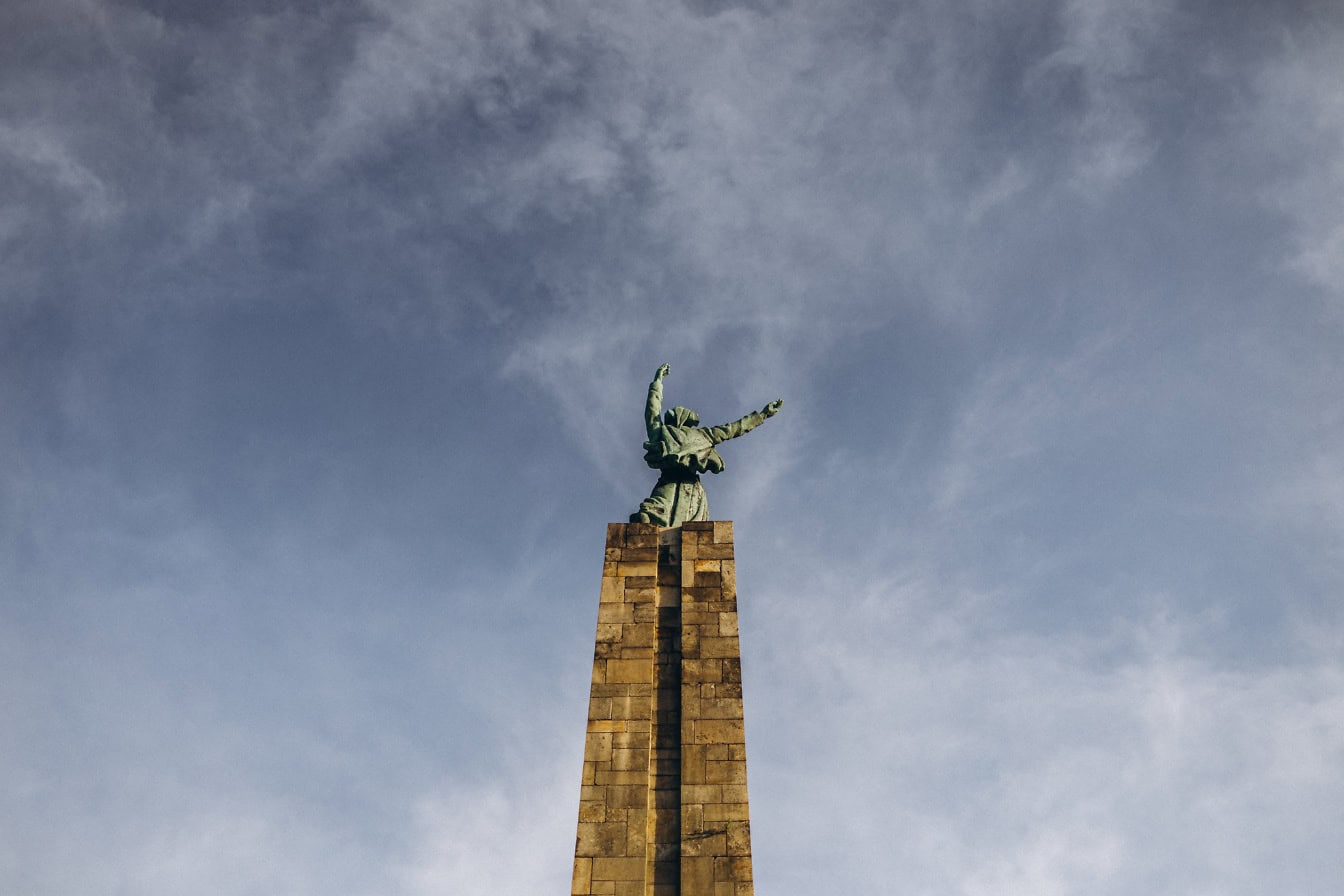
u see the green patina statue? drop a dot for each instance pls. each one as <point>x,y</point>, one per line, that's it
<point>680,450</point>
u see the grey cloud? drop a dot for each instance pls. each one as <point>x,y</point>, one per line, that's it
<point>324,336</point>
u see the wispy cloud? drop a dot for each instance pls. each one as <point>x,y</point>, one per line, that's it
<point>1298,121</point>
<point>1117,748</point>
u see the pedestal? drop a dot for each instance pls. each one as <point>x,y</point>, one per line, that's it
<point>663,806</point>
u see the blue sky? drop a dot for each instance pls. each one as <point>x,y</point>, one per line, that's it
<point>324,336</point>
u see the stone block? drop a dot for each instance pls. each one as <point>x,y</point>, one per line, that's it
<point>700,794</point>
<point>631,707</point>
<point>609,777</point>
<point>720,708</point>
<point>711,648</point>
<point>692,816</point>
<point>628,796</point>
<point>734,793</point>
<point>667,871</point>
<point>600,839</point>
<point>723,531</point>
<point>704,843</point>
<point>597,745</point>
<point>625,868</point>
<point>717,731</point>
<point>667,799</point>
<point>630,760</point>
<point>698,593</point>
<point>583,877</point>
<point>728,625</point>
<point>697,874</point>
<point>726,812</point>
<point>739,837</point>
<point>628,671</point>
<point>636,839</point>
<point>722,690</point>
<point>644,537</point>
<point>728,772</point>
<point>692,764</point>
<point>631,741</point>
<point>715,552</point>
<point>616,612</point>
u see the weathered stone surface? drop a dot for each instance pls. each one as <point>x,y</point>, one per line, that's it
<point>663,805</point>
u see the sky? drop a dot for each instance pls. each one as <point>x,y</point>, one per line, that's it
<point>325,330</point>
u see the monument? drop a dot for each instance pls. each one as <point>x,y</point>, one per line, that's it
<point>663,802</point>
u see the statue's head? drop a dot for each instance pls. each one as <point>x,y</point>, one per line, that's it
<point>680,416</point>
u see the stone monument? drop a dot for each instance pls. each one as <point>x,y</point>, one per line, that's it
<point>663,802</point>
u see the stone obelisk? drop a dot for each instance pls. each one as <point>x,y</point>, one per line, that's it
<point>663,807</point>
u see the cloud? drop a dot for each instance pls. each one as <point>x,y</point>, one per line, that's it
<point>485,838</point>
<point>326,323</point>
<point>1113,50</point>
<point>1146,767</point>
<point>1298,121</point>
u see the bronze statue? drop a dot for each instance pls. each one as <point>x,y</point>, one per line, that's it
<point>680,449</point>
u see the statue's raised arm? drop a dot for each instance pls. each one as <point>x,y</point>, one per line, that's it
<point>680,449</point>
<point>653,408</point>
<point>725,431</point>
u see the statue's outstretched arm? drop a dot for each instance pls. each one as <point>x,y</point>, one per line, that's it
<point>725,431</point>
<point>653,408</point>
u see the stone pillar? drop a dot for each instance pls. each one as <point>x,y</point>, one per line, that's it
<point>663,807</point>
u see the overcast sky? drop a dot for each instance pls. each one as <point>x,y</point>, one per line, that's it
<point>325,329</point>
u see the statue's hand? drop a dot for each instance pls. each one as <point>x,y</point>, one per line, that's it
<point>773,407</point>
<point>662,372</point>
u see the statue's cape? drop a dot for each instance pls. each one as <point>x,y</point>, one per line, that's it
<point>682,447</point>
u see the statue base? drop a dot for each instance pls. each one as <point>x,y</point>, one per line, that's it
<point>663,806</point>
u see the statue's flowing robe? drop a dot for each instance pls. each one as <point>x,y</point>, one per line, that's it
<point>681,451</point>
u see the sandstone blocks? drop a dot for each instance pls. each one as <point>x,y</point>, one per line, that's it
<point>663,806</point>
